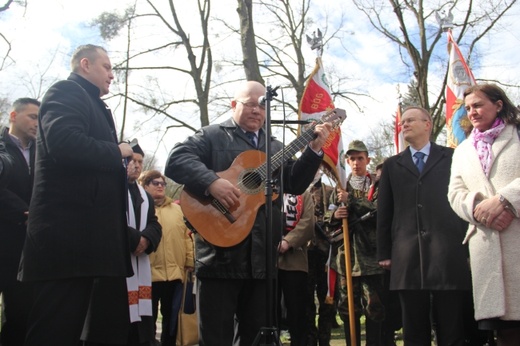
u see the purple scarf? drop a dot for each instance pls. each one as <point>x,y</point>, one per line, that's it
<point>482,141</point>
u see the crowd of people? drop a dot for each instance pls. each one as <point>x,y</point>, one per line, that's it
<point>93,250</point>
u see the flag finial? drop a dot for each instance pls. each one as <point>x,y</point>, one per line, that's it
<point>316,42</point>
<point>445,20</point>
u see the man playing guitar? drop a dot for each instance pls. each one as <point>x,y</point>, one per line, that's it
<point>231,280</point>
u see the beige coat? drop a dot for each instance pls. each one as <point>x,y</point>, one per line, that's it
<point>295,259</point>
<point>494,255</point>
<point>175,251</point>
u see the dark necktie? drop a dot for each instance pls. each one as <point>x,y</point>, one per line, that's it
<point>419,162</point>
<point>252,138</point>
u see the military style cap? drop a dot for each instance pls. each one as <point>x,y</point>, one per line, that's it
<point>357,145</point>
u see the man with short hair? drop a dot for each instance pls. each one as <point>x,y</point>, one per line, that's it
<point>358,204</point>
<point>77,227</point>
<point>419,237</point>
<point>19,141</point>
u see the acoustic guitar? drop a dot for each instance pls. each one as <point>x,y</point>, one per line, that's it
<point>228,227</point>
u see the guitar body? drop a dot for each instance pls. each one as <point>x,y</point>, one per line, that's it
<point>228,227</point>
<point>221,227</point>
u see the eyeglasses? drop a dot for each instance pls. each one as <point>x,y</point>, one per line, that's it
<point>252,104</point>
<point>409,121</point>
<point>158,183</point>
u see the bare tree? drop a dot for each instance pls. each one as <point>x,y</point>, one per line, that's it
<point>38,81</point>
<point>281,52</point>
<point>247,34</point>
<point>6,5</point>
<point>380,143</point>
<point>200,65</point>
<point>5,105</point>
<point>110,25</point>
<point>3,38</point>
<point>197,66</point>
<point>417,36</point>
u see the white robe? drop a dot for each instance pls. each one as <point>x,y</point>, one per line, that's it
<point>140,284</point>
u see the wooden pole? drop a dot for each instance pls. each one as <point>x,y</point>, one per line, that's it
<point>350,289</point>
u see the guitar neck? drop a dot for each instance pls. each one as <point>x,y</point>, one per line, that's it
<point>286,153</point>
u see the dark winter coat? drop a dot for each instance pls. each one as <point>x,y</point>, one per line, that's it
<point>6,165</point>
<point>77,223</point>
<point>195,162</point>
<point>416,227</point>
<point>14,203</point>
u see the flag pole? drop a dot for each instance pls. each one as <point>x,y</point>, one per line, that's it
<point>399,142</point>
<point>348,279</point>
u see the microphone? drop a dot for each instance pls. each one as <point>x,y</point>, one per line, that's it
<point>262,99</point>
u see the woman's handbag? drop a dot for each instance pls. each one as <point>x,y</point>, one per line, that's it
<point>187,322</point>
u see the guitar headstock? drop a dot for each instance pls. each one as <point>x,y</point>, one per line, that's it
<point>335,117</point>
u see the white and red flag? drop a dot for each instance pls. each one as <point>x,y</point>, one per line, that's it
<point>460,78</point>
<point>399,142</point>
<point>317,101</point>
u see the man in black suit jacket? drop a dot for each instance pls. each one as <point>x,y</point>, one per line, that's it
<point>77,225</point>
<point>419,237</point>
<point>19,141</point>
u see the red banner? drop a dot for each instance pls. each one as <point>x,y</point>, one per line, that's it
<point>317,101</point>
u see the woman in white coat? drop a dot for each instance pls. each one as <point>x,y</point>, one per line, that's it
<point>485,191</point>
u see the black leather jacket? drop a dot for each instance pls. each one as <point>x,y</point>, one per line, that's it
<point>195,162</point>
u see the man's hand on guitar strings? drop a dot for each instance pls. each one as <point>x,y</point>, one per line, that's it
<point>224,192</point>
<point>322,132</point>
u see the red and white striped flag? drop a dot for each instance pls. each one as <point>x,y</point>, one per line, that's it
<point>399,142</point>
<point>460,78</point>
<point>317,101</point>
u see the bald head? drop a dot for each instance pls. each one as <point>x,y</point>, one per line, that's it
<point>247,113</point>
<point>247,88</point>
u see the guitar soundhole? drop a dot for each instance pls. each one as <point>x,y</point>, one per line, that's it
<point>250,181</point>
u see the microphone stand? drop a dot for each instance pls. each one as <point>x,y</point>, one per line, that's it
<point>268,335</point>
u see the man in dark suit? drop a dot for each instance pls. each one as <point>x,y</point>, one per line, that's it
<point>19,141</point>
<point>419,237</point>
<point>77,226</point>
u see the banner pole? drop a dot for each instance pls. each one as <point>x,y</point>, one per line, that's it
<point>350,289</point>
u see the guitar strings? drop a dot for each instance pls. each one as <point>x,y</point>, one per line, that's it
<point>289,151</point>
<point>278,158</point>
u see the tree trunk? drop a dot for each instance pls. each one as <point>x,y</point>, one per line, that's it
<point>247,36</point>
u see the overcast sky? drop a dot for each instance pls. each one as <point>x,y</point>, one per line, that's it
<point>47,31</point>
